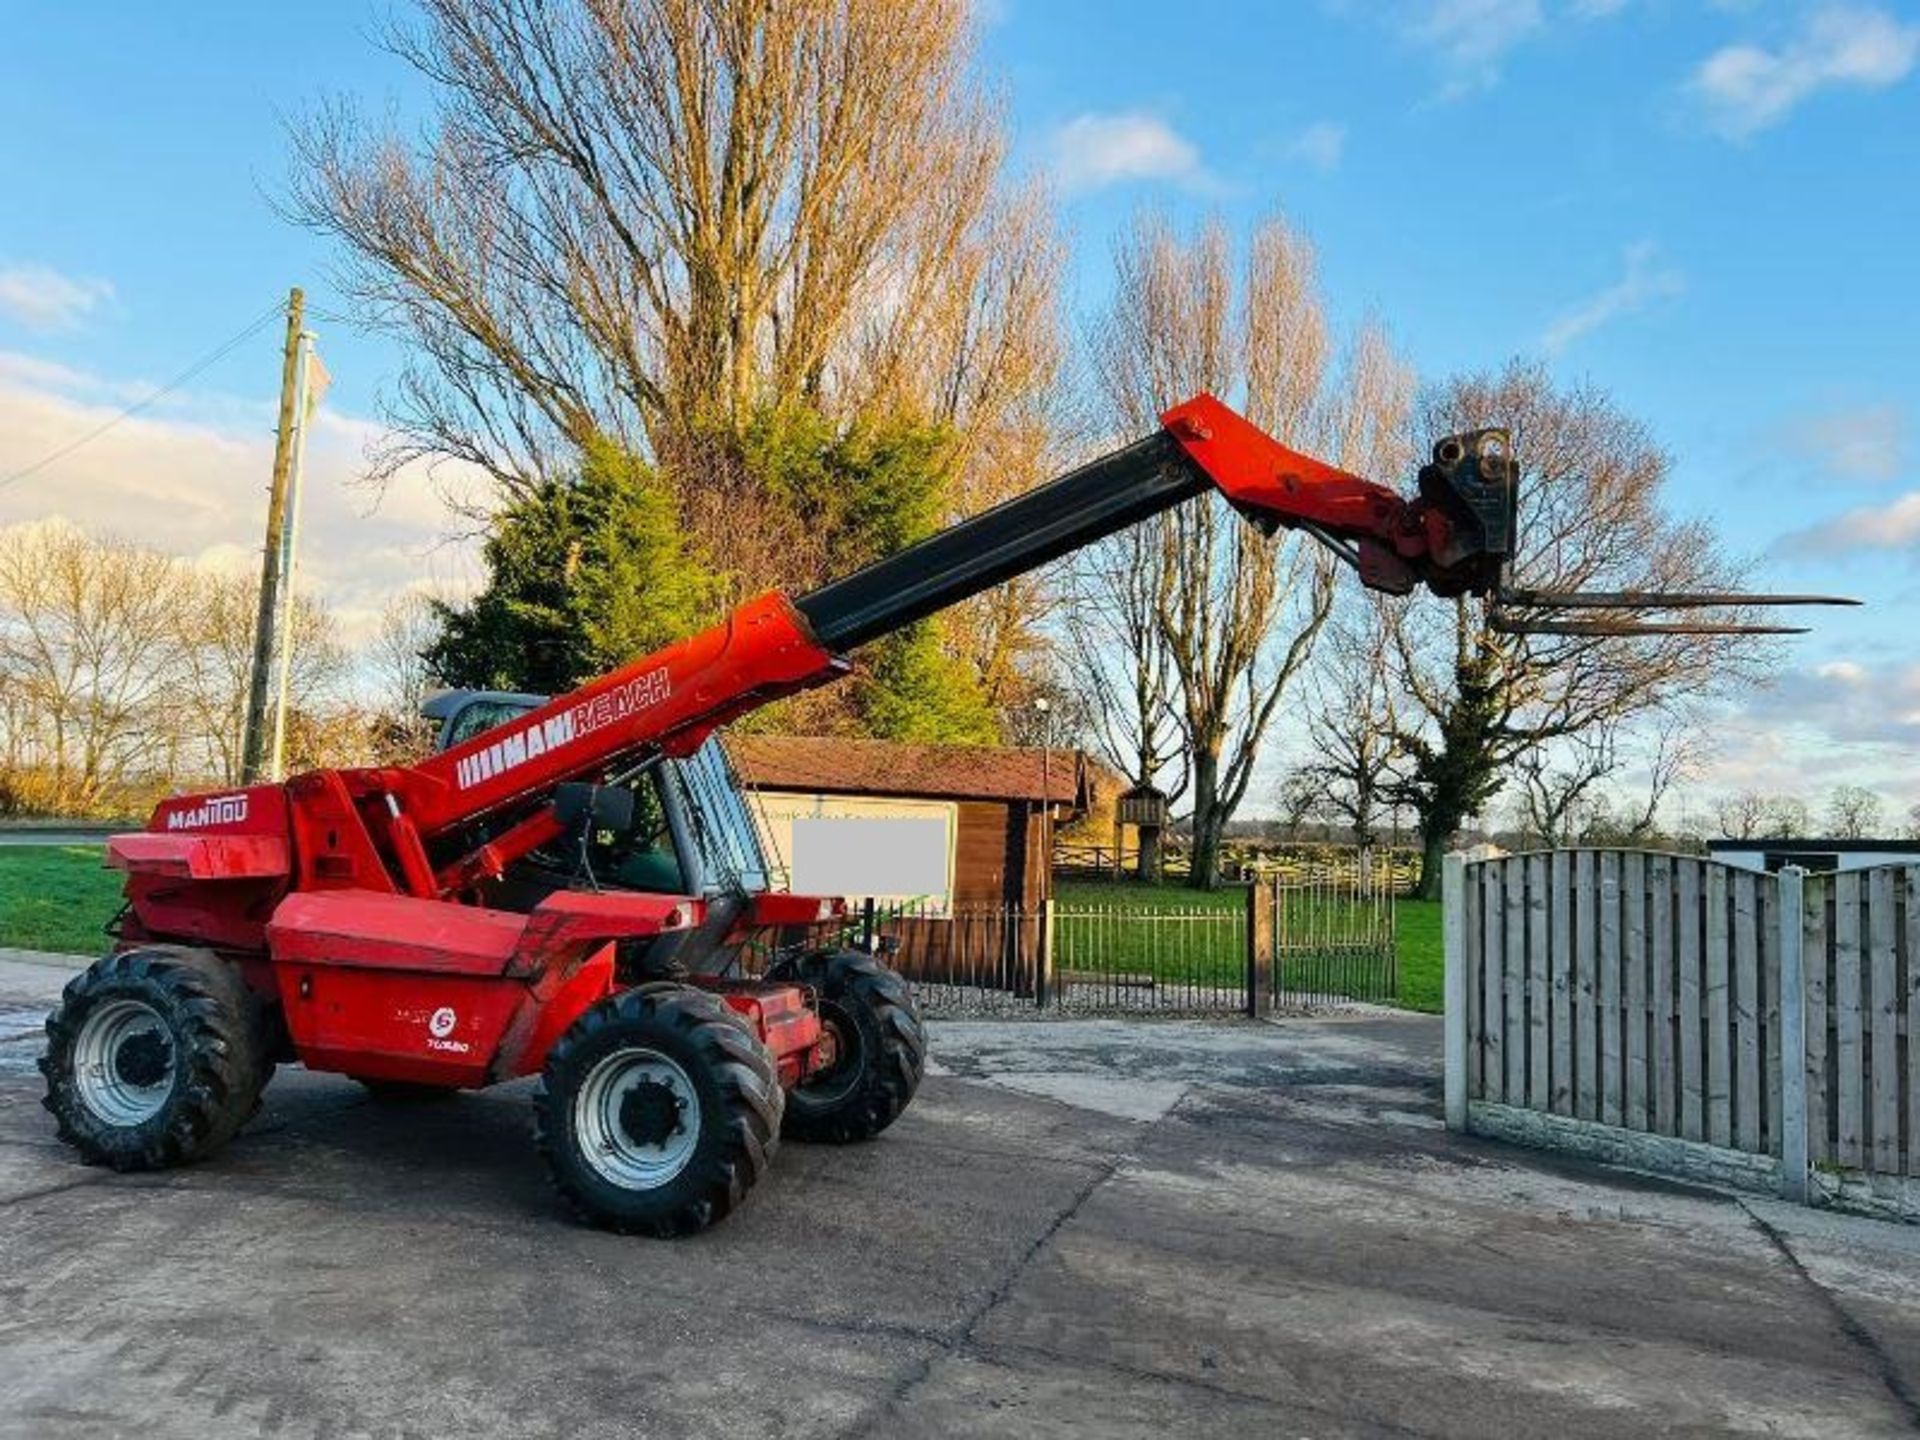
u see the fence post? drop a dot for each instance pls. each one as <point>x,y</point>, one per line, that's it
<point>1453,925</point>
<point>1794,1157</point>
<point>1259,948</point>
<point>1043,968</point>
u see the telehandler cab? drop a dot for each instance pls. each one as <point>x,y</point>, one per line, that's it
<point>576,893</point>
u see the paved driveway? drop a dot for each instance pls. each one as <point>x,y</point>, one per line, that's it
<point>1153,1229</point>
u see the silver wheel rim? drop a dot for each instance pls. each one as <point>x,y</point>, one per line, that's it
<point>617,1156</point>
<point>98,1069</point>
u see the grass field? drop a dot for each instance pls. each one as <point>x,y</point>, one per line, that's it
<point>58,897</point>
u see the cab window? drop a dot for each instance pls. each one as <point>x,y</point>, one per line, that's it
<point>480,716</point>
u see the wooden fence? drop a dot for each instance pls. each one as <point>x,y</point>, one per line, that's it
<point>1683,998</point>
<point>1862,947</point>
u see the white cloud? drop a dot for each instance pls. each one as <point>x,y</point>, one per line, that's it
<point>1893,526</point>
<point>1746,88</point>
<point>1472,37</point>
<point>1816,726</point>
<point>1644,281</point>
<point>1091,151</point>
<point>1322,145</point>
<point>1867,443</point>
<point>1844,701</point>
<point>196,489</point>
<point>42,299</point>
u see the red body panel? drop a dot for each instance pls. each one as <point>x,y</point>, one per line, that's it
<point>786,1022</point>
<point>200,857</point>
<point>393,932</point>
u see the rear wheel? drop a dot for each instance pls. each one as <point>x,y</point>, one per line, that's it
<point>880,1049</point>
<point>659,1110</point>
<point>154,1058</point>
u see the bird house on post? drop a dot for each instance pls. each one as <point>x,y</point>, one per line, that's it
<point>1145,808</point>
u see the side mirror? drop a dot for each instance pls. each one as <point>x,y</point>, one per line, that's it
<point>597,807</point>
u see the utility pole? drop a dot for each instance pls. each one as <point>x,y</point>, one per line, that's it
<point>310,388</point>
<point>254,748</point>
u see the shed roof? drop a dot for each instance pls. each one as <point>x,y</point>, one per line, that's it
<point>833,765</point>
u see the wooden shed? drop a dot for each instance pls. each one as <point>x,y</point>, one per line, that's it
<point>999,805</point>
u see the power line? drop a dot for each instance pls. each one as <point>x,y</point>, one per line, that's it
<point>212,357</point>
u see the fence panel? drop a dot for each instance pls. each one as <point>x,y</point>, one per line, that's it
<point>1640,991</point>
<point>1862,943</point>
<point>1643,993</point>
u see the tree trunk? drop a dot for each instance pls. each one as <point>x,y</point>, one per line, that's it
<point>1151,860</point>
<point>1433,849</point>
<point>1209,820</point>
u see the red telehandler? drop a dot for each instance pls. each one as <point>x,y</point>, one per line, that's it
<point>514,905</point>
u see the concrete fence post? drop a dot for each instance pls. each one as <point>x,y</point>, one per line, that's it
<point>1794,1157</point>
<point>1453,925</point>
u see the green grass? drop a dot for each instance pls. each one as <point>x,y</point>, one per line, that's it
<point>1416,925</point>
<point>1218,960</point>
<point>56,897</point>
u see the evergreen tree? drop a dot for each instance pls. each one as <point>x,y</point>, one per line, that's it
<point>863,493</point>
<point>589,572</point>
<point>582,576</point>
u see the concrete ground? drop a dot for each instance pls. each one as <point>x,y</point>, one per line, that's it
<point>1150,1228</point>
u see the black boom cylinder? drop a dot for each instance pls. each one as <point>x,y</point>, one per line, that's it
<point>1026,532</point>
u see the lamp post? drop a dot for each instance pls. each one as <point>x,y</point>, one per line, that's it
<point>1044,708</point>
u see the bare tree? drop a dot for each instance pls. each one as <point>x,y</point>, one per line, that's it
<point>1236,611</point>
<point>1743,816</point>
<point>633,218</point>
<point>1591,517</point>
<point>89,640</point>
<point>1122,663</point>
<point>1301,800</point>
<point>1353,722</point>
<point>1787,818</point>
<point>1558,784</point>
<point>657,220</point>
<point>1853,812</point>
<point>214,639</point>
<point>402,673</point>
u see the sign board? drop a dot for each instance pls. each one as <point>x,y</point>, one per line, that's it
<point>895,852</point>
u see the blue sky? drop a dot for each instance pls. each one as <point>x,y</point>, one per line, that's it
<point>1711,209</point>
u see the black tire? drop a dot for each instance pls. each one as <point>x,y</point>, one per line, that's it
<point>725,1075</point>
<point>882,1044</point>
<point>187,1068</point>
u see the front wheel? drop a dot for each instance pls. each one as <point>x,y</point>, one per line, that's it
<point>658,1111</point>
<point>880,1049</point>
<point>154,1057</point>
